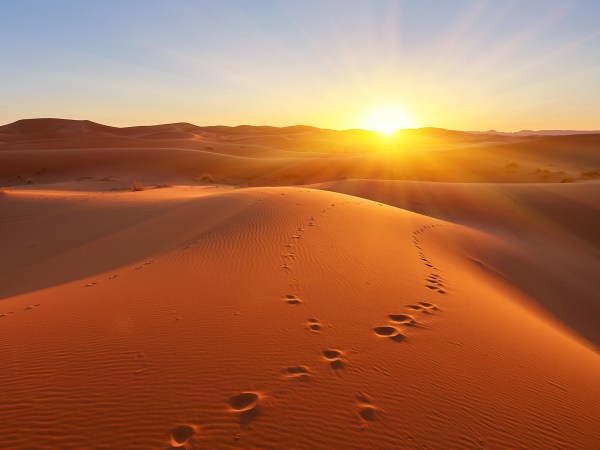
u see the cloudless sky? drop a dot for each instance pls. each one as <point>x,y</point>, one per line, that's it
<point>460,64</point>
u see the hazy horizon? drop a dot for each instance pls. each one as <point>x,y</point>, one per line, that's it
<point>202,125</point>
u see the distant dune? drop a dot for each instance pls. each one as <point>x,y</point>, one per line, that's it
<point>36,149</point>
<point>537,132</point>
<point>177,286</point>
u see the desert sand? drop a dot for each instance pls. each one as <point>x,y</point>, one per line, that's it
<point>177,286</point>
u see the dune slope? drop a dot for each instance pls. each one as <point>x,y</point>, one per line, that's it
<point>555,246</point>
<point>277,317</point>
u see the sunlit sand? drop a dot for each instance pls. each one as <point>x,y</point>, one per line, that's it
<point>262,287</point>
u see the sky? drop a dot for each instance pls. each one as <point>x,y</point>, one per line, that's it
<point>457,64</point>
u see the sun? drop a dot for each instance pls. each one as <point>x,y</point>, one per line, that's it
<point>387,120</point>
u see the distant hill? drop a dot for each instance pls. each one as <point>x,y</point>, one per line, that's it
<point>53,129</point>
<point>537,132</point>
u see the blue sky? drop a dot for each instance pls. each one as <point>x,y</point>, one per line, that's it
<point>455,64</point>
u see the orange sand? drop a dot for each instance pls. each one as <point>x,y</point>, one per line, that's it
<point>239,307</point>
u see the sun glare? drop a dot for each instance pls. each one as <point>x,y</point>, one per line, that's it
<point>387,120</point>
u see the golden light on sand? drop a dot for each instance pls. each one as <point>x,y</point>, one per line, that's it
<point>387,120</point>
<point>314,226</point>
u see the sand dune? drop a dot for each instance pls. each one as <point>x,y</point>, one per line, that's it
<point>33,149</point>
<point>551,229</point>
<point>349,313</point>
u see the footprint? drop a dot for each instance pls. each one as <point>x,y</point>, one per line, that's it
<point>291,299</point>
<point>385,331</point>
<point>90,284</point>
<point>244,401</point>
<point>332,354</point>
<point>425,307</point>
<point>390,332</point>
<point>415,307</point>
<point>335,358</point>
<point>314,324</point>
<point>429,305</point>
<point>181,434</point>
<point>404,319</point>
<point>435,282</point>
<point>436,277</point>
<point>367,412</point>
<point>301,372</point>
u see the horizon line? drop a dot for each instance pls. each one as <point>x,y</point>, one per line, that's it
<point>491,130</point>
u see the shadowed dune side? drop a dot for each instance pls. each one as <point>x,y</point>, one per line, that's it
<point>579,148</point>
<point>197,344</point>
<point>500,208</point>
<point>257,166</point>
<point>51,229</point>
<point>183,165</point>
<point>552,229</point>
<point>165,165</point>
